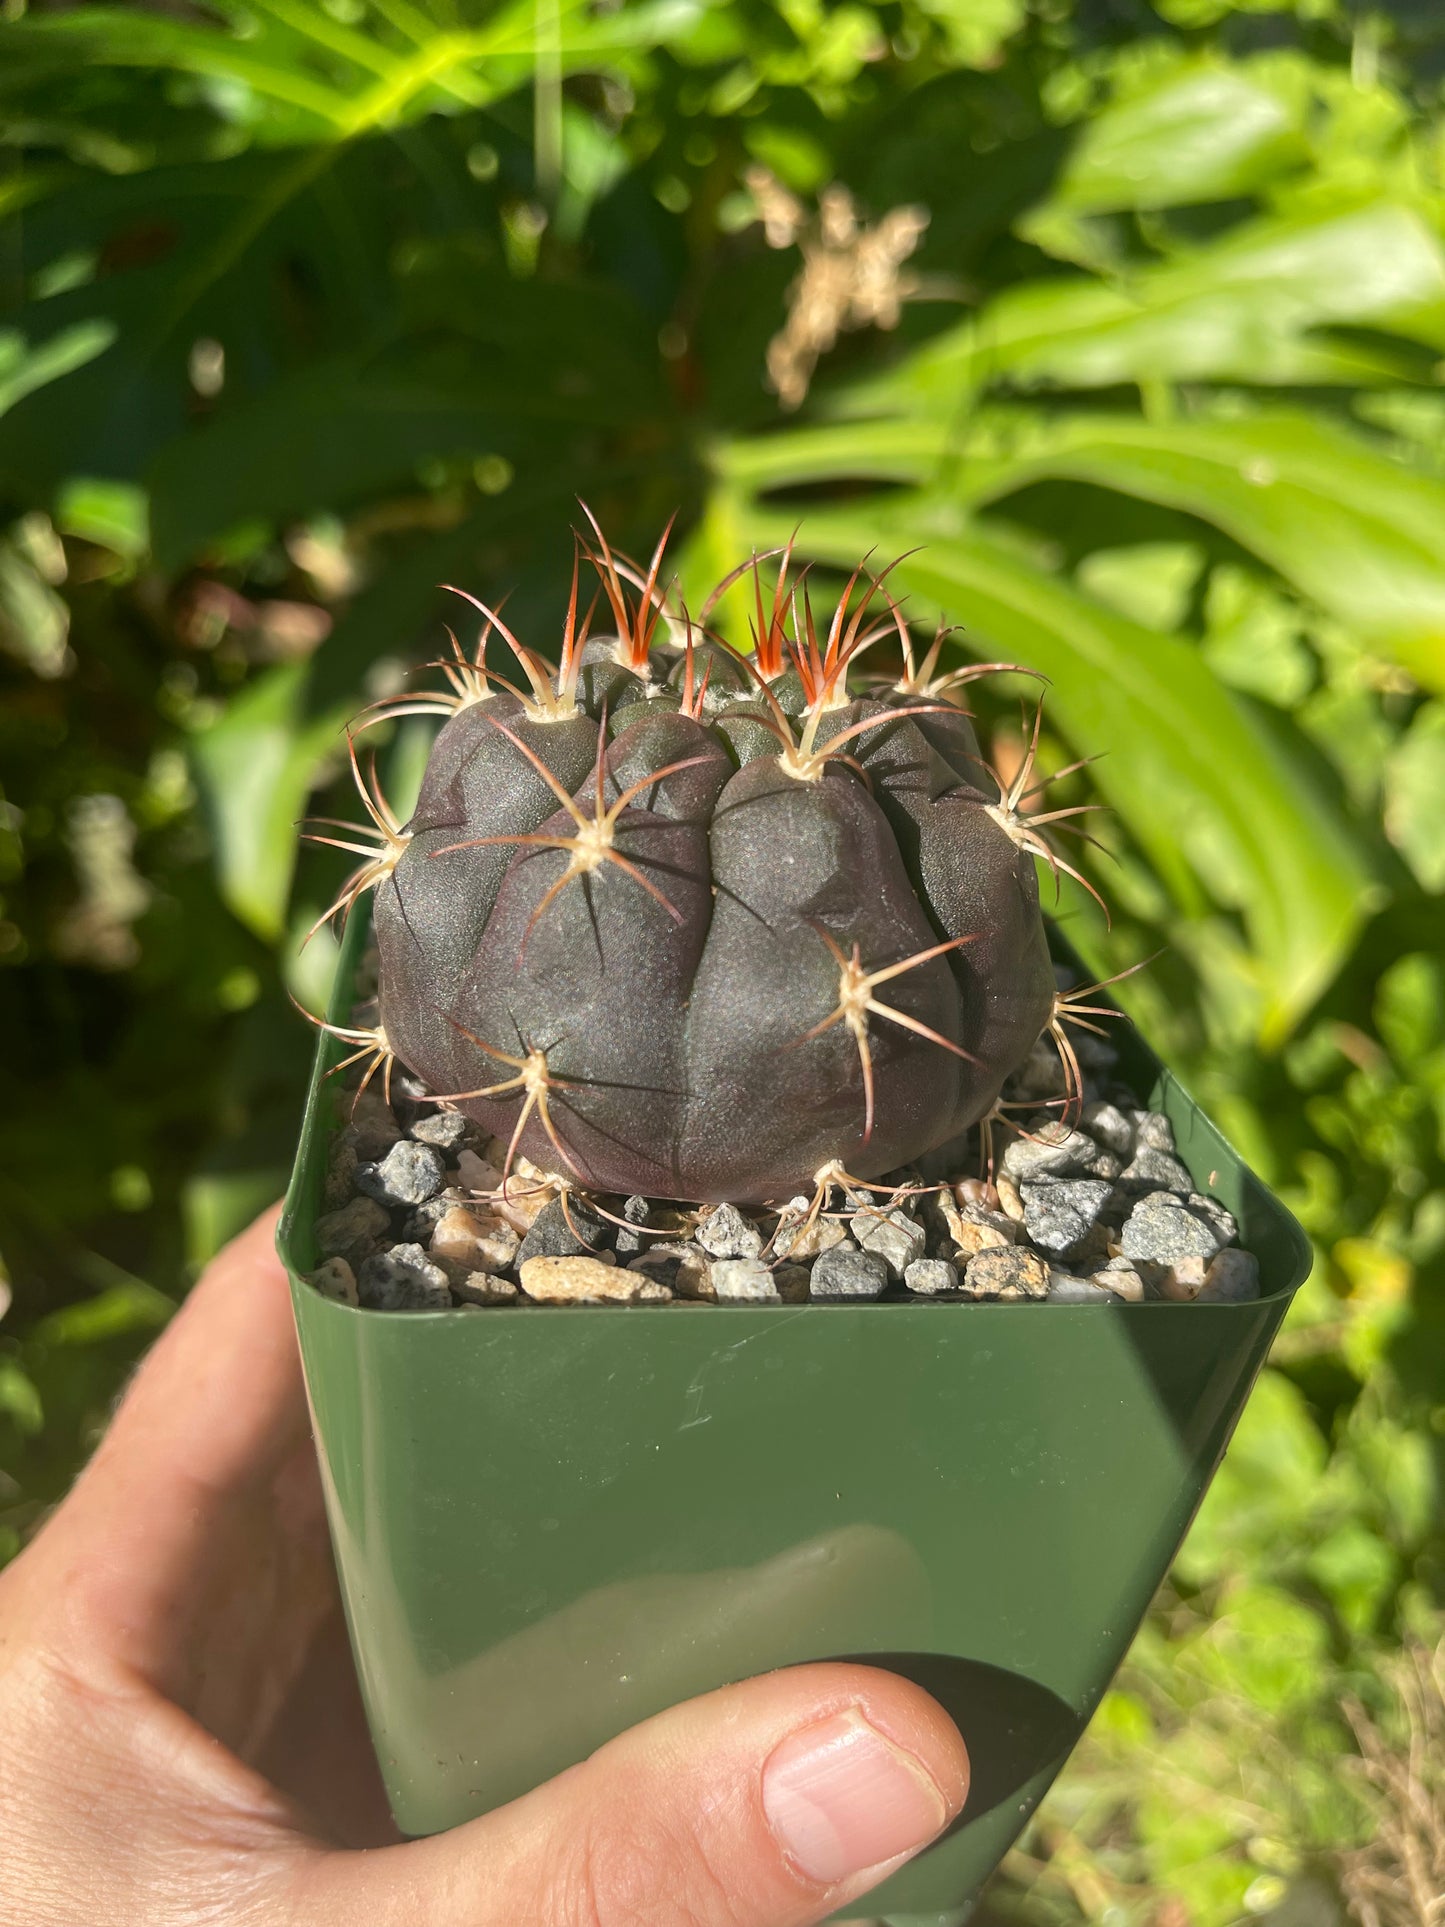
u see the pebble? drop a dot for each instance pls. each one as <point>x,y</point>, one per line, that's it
<point>477,1173</point>
<point>627,1239</point>
<point>930,1276</point>
<point>976,1191</point>
<point>726,1233</point>
<point>1125,1278</point>
<point>1009,1201</point>
<point>1152,1130</point>
<point>481,1288</point>
<point>1106,1124</point>
<point>683,1268</point>
<point>1153,1170</point>
<point>353,1232</point>
<point>443,1130</point>
<point>743,1281</point>
<point>410,1173</point>
<point>1060,1213</point>
<point>1011,1273</point>
<point>1232,1279</point>
<point>967,1228</point>
<point>575,1232</point>
<point>403,1279</point>
<point>1216,1213</point>
<point>372,1128</point>
<point>792,1283</point>
<point>408,1092</point>
<point>418,1225</point>
<point>474,1238</point>
<point>1182,1281</point>
<point>340,1174</point>
<point>1053,1149</point>
<point>1166,1228</point>
<point>795,1238</point>
<point>584,1281</point>
<point>1065,1289</point>
<point>896,1238</point>
<point>839,1275</point>
<point>335,1279</point>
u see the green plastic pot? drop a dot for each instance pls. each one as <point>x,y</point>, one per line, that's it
<point>549,1525</point>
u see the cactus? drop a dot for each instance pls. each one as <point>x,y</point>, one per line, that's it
<point>672,920</point>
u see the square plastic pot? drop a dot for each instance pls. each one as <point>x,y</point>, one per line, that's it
<point>550,1524</point>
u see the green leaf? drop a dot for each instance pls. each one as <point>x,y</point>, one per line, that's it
<point>19,1400</point>
<point>1191,771</point>
<point>1415,796</point>
<point>1253,638</point>
<point>254,769</point>
<point>1250,307</point>
<point>1359,533</point>
<point>23,369</point>
<point>116,1312</point>
<point>1206,133</point>
<point>113,515</point>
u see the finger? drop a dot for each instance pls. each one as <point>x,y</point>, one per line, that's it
<point>772,1802</point>
<point>199,1519</point>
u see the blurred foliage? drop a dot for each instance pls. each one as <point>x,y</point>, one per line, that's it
<point>310,305</point>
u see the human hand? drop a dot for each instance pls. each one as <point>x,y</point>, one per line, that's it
<point>181,1739</point>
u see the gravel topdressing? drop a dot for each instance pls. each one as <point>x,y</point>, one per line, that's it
<point>1095,1211</point>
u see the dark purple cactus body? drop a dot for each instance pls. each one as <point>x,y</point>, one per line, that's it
<point>782,940</point>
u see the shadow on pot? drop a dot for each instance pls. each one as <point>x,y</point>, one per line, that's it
<point>1013,1728</point>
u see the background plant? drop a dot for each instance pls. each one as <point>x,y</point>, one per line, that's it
<point>308,307</point>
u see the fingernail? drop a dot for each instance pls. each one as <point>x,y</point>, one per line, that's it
<point>840,1798</point>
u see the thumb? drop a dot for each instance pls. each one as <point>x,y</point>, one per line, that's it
<point>767,1804</point>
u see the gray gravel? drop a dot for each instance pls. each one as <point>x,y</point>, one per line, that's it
<point>897,1238</point>
<point>1052,1149</point>
<point>683,1268</point>
<point>931,1276</point>
<point>839,1275</point>
<point>1232,1279</point>
<point>742,1281</point>
<point>1151,1170</point>
<point>552,1236</point>
<point>410,1173</point>
<point>628,1239</point>
<point>444,1130</point>
<point>1164,1228</point>
<point>1101,1212</point>
<point>1066,1289</point>
<point>1109,1127</point>
<point>726,1233</point>
<point>353,1232</point>
<point>403,1279</point>
<point>1061,1214</point>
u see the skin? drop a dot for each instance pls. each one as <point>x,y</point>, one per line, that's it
<point>181,1738</point>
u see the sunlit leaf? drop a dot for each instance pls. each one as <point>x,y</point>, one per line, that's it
<point>1415,796</point>
<point>254,769</point>
<point>1203,133</point>
<point>1249,307</point>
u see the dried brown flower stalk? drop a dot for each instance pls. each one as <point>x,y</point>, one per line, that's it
<point>1398,1878</point>
<point>852,275</point>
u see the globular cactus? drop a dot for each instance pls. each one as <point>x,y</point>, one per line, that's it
<point>674,921</point>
